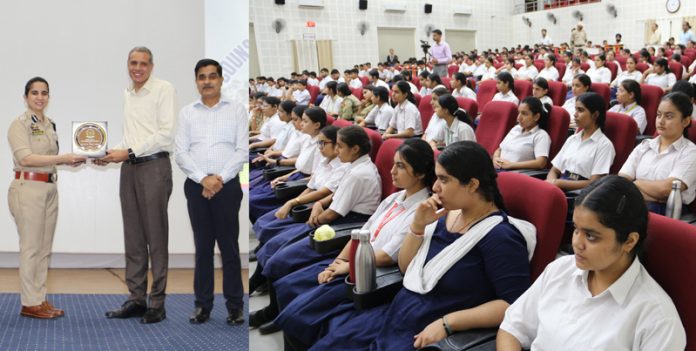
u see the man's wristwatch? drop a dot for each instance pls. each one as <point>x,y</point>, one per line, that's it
<point>131,155</point>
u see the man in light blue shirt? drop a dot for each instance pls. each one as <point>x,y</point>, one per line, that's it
<point>211,149</point>
<point>687,35</point>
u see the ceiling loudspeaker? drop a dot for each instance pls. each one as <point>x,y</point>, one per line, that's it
<point>280,2</point>
<point>428,8</point>
<point>362,4</point>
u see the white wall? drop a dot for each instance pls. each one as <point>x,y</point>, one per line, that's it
<point>81,47</point>
<point>632,15</point>
<point>339,20</point>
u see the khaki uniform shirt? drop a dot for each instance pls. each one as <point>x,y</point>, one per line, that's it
<point>29,135</point>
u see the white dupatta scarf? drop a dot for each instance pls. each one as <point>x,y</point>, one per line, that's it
<point>422,278</point>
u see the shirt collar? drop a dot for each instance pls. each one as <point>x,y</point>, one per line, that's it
<point>223,101</point>
<point>534,130</point>
<point>596,135</point>
<point>147,86</point>
<point>678,145</point>
<point>412,200</point>
<point>620,288</point>
<point>335,163</point>
<point>362,159</point>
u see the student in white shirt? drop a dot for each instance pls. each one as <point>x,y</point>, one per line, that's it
<point>630,73</point>
<point>280,140</point>
<point>406,121</point>
<point>527,145</point>
<point>382,113</point>
<point>528,71</point>
<point>406,75</point>
<point>425,84</point>
<point>549,72</point>
<point>599,73</point>
<point>587,155</point>
<point>611,57</point>
<point>355,82</point>
<point>376,82</point>
<point>660,75</point>
<point>460,89</point>
<point>299,93</point>
<point>433,82</point>
<point>601,298</point>
<point>506,86</point>
<point>628,95</point>
<point>312,80</point>
<point>272,124</point>
<point>655,163</point>
<point>469,66</point>
<point>488,70</point>
<point>585,58</point>
<point>540,90</point>
<point>581,85</point>
<point>572,71</point>
<point>456,123</point>
<point>480,67</point>
<point>508,66</point>
<point>288,155</point>
<point>331,103</point>
<point>436,125</point>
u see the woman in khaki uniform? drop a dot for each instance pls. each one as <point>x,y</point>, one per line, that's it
<point>33,196</point>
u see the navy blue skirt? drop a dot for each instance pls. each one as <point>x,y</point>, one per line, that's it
<point>268,226</point>
<point>296,283</point>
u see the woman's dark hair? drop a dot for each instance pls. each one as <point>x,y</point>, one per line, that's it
<point>405,88</point>
<point>435,78</point>
<point>419,154</point>
<point>330,132</point>
<point>663,63</point>
<point>332,86</point>
<point>272,100</point>
<point>490,59</point>
<point>602,58</point>
<point>552,58</point>
<point>684,87</point>
<point>27,86</point>
<point>316,115</point>
<point>449,103</point>
<point>631,86</point>
<point>511,60</point>
<point>584,79</point>
<point>287,106</point>
<point>343,89</point>
<point>542,83</point>
<point>381,93</point>
<point>406,75</point>
<point>460,77</point>
<point>299,110</point>
<point>478,165</point>
<point>354,135</point>
<point>631,58</point>
<point>577,61</point>
<point>683,103</point>
<point>424,74</point>
<point>257,96</point>
<point>543,110</point>
<point>619,205</point>
<point>506,77</point>
<point>439,91</point>
<point>595,103</point>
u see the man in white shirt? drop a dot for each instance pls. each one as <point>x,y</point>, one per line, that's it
<point>211,151</point>
<point>299,93</point>
<point>355,82</point>
<point>545,39</point>
<point>655,36</point>
<point>376,82</point>
<point>148,135</point>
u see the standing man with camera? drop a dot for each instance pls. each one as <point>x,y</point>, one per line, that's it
<point>441,54</point>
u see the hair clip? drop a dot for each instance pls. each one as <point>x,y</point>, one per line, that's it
<point>622,204</point>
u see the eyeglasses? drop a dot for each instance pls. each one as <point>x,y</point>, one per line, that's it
<point>323,143</point>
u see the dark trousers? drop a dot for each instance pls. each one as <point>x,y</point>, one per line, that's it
<point>216,220</point>
<point>144,190</point>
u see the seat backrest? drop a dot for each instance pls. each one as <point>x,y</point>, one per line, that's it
<point>585,66</point>
<point>622,62</point>
<point>621,130</point>
<point>692,132</point>
<point>559,120</point>
<point>497,118</point>
<point>452,69</point>
<point>365,80</point>
<point>340,123</point>
<point>376,140</point>
<point>557,92</point>
<point>670,260</point>
<point>686,61</point>
<point>603,90</point>
<point>384,162</point>
<point>676,68</point>
<point>470,105</point>
<point>612,68</point>
<point>486,92</point>
<point>642,67</point>
<point>313,93</point>
<point>523,88</point>
<point>539,64</point>
<point>547,213</point>
<point>561,67</point>
<point>426,110</point>
<point>416,81</point>
<point>650,96</point>
<point>446,83</point>
<point>329,120</point>
<point>357,92</point>
<point>417,97</point>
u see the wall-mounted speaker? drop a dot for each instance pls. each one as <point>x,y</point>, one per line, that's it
<point>428,8</point>
<point>362,4</point>
<point>280,2</point>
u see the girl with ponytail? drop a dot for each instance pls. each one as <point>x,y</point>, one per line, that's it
<point>527,145</point>
<point>406,122</point>
<point>456,126</point>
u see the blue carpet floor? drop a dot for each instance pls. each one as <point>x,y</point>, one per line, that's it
<point>84,327</point>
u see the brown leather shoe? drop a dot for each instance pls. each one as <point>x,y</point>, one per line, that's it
<point>38,311</point>
<point>56,311</point>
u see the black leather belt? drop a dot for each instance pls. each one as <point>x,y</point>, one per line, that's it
<point>573,176</point>
<point>147,158</point>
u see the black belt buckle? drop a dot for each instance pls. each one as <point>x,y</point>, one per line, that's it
<point>144,159</point>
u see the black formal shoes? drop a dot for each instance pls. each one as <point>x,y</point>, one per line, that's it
<point>236,316</point>
<point>200,315</point>
<point>268,328</point>
<point>129,309</point>
<point>154,315</point>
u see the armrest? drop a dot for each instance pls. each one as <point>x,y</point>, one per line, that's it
<point>470,340</point>
<point>534,173</point>
<point>290,189</point>
<point>389,282</point>
<point>275,172</point>
<point>258,150</point>
<point>338,242</point>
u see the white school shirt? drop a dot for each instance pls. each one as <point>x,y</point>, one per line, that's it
<point>528,72</point>
<point>328,174</point>
<point>273,91</point>
<point>309,156</point>
<point>635,111</point>
<point>414,88</point>
<point>480,70</point>
<point>593,156</point>
<point>271,128</point>
<point>663,80</point>
<point>509,97</point>
<point>406,115</point>
<point>569,105</point>
<point>599,75</point>
<point>546,41</point>
<point>425,91</point>
<point>355,83</point>
<point>546,100</point>
<point>322,83</point>
<point>313,81</point>
<point>394,216</point>
<point>283,137</point>
<point>381,83</point>
<point>569,75</point>
<point>464,68</point>
<point>331,106</point>
<point>464,91</point>
<point>294,145</point>
<point>458,131</point>
<point>435,128</point>
<point>590,63</point>
<point>646,162</point>
<point>635,75</point>
<point>558,312</point>
<point>301,97</point>
<point>519,145</point>
<point>360,189</point>
<point>380,116</point>
<point>549,73</point>
<point>488,73</point>
<point>618,67</point>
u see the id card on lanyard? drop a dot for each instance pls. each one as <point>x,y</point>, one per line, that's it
<point>386,219</point>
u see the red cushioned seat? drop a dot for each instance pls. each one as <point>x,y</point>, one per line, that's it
<point>650,99</point>
<point>603,90</point>
<point>676,68</point>
<point>497,118</point>
<point>539,64</point>
<point>376,140</point>
<point>417,97</point>
<point>313,93</point>
<point>357,92</point>
<point>470,105</point>
<point>642,67</point>
<point>446,83</point>
<point>340,123</point>
<point>523,88</point>
<point>561,67</point>
<point>613,68</point>
<point>384,162</point>
<point>559,120</point>
<point>452,69</point>
<point>329,120</point>
<point>621,130</point>
<point>486,92</point>
<point>365,80</point>
<point>426,110</point>
<point>557,92</point>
